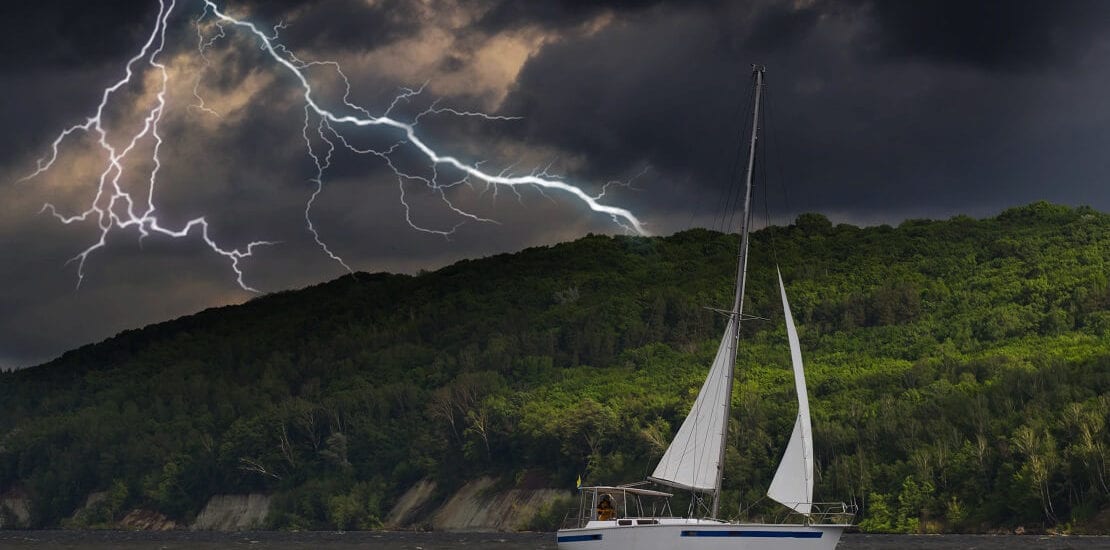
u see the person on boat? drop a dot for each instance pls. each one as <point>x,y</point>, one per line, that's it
<point>605,511</point>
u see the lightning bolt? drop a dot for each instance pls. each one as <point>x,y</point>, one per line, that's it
<point>114,208</point>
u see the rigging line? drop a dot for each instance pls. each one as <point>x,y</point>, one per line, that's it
<point>740,189</point>
<point>744,510</point>
<point>726,203</point>
<point>730,184</point>
<point>723,190</point>
<point>736,114</point>
<point>735,205</point>
<point>774,138</point>
<point>736,192</point>
<point>733,186</point>
<point>767,185</point>
<point>770,226</point>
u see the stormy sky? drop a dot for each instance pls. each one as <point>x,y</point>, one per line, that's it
<point>878,112</point>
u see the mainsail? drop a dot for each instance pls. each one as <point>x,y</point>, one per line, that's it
<point>692,460</point>
<point>793,482</point>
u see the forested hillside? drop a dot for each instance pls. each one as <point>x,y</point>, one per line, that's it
<point>959,374</point>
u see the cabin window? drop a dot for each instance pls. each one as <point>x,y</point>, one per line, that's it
<point>624,522</point>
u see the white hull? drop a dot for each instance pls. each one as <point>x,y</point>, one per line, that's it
<point>679,533</point>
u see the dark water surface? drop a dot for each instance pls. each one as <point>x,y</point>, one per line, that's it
<point>203,540</point>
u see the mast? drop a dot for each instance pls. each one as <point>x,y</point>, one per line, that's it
<point>737,312</point>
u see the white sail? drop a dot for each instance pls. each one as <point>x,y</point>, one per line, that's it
<point>692,459</point>
<point>792,485</point>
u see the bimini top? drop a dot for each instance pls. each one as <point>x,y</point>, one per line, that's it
<point>629,490</point>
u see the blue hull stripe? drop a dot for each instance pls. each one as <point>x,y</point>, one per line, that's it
<point>578,538</point>
<point>760,534</point>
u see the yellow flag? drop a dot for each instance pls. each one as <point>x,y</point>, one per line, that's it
<point>578,485</point>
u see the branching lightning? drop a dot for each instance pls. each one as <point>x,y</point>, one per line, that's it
<point>323,132</point>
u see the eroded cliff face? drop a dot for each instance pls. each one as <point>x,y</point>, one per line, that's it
<point>412,505</point>
<point>146,520</point>
<point>14,510</point>
<point>233,513</point>
<point>478,506</point>
<point>222,513</point>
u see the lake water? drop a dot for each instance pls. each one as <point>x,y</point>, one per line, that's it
<point>173,540</point>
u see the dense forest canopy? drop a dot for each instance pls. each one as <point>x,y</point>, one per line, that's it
<point>959,374</point>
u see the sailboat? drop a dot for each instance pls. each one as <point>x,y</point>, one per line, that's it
<point>633,517</point>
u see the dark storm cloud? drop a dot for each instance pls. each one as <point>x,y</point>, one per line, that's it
<point>781,25</point>
<point>645,100</point>
<point>948,132</point>
<point>36,103</point>
<point>554,14</point>
<point>342,25</point>
<point>61,33</point>
<point>49,49</point>
<point>1015,35</point>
